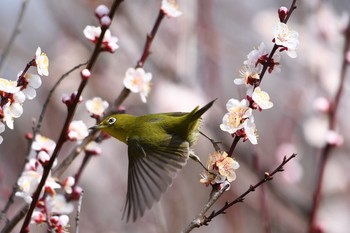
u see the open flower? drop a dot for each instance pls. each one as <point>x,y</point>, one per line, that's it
<point>250,132</point>
<point>27,185</point>
<point>258,57</point>
<point>96,106</point>
<point>9,86</point>
<point>220,167</point>
<point>238,112</point>
<point>13,109</point>
<point>58,204</point>
<point>262,99</point>
<point>32,82</point>
<point>109,42</point>
<point>138,81</point>
<point>42,62</point>
<point>286,38</point>
<point>171,8</point>
<point>43,143</point>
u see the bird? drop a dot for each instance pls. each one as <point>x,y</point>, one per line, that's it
<point>158,147</point>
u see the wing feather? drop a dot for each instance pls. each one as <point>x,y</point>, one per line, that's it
<point>151,170</point>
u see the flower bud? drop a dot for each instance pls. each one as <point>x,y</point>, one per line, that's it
<point>101,11</point>
<point>282,13</point>
<point>85,74</point>
<point>105,21</point>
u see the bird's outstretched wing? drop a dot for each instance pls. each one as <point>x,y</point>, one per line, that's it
<point>151,170</point>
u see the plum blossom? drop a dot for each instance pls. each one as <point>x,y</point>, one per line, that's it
<point>286,38</point>
<point>96,106</point>
<point>109,42</point>
<point>43,143</point>
<point>9,86</point>
<point>220,167</point>
<point>42,62</point>
<point>238,112</point>
<point>138,81</point>
<point>32,82</point>
<point>249,76</point>
<point>262,99</point>
<point>77,131</point>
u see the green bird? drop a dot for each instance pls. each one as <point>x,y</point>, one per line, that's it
<point>158,147</point>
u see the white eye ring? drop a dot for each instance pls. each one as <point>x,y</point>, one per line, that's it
<point>111,120</point>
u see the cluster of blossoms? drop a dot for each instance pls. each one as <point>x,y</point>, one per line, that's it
<point>55,203</point>
<point>14,93</point>
<point>239,120</point>
<point>52,207</point>
<point>221,169</point>
<point>92,33</point>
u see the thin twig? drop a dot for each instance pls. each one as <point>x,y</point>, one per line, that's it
<point>77,218</point>
<point>14,34</point>
<point>201,219</point>
<point>325,152</point>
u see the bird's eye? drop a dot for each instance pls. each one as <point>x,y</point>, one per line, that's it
<point>111,120</point>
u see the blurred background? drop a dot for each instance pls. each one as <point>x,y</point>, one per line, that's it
<point>194,59</point>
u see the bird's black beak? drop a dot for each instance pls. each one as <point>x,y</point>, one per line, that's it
<point>95,127</point>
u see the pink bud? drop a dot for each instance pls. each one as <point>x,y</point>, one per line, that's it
<point>282,13</point>
<point>321,104</point>
<point>101,11</point>
<point>85,74</point>
<point>105,21</point>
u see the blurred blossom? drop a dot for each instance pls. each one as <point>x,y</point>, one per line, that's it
<point>330,22</point>
<point>93,148</point>
<point>9,86</point>
<point>58,204</point>
<point>321,104</point>
<point>77,131</point>
<point>286,38</point>
<point>171,8</point>
<point>43,157</point>
<point>38,217</point>
<point>42,62</point>
<point>238,112</point>
<point>43,143</point>
<point>138,81</point>
<point>27,185</point>
<point>96,106</point>
<point>262,99</point>
<point>334,138</point>
<point>59,223</point>
<point>315,131</point>
<point>68,184</point>
<point>32,82</point>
